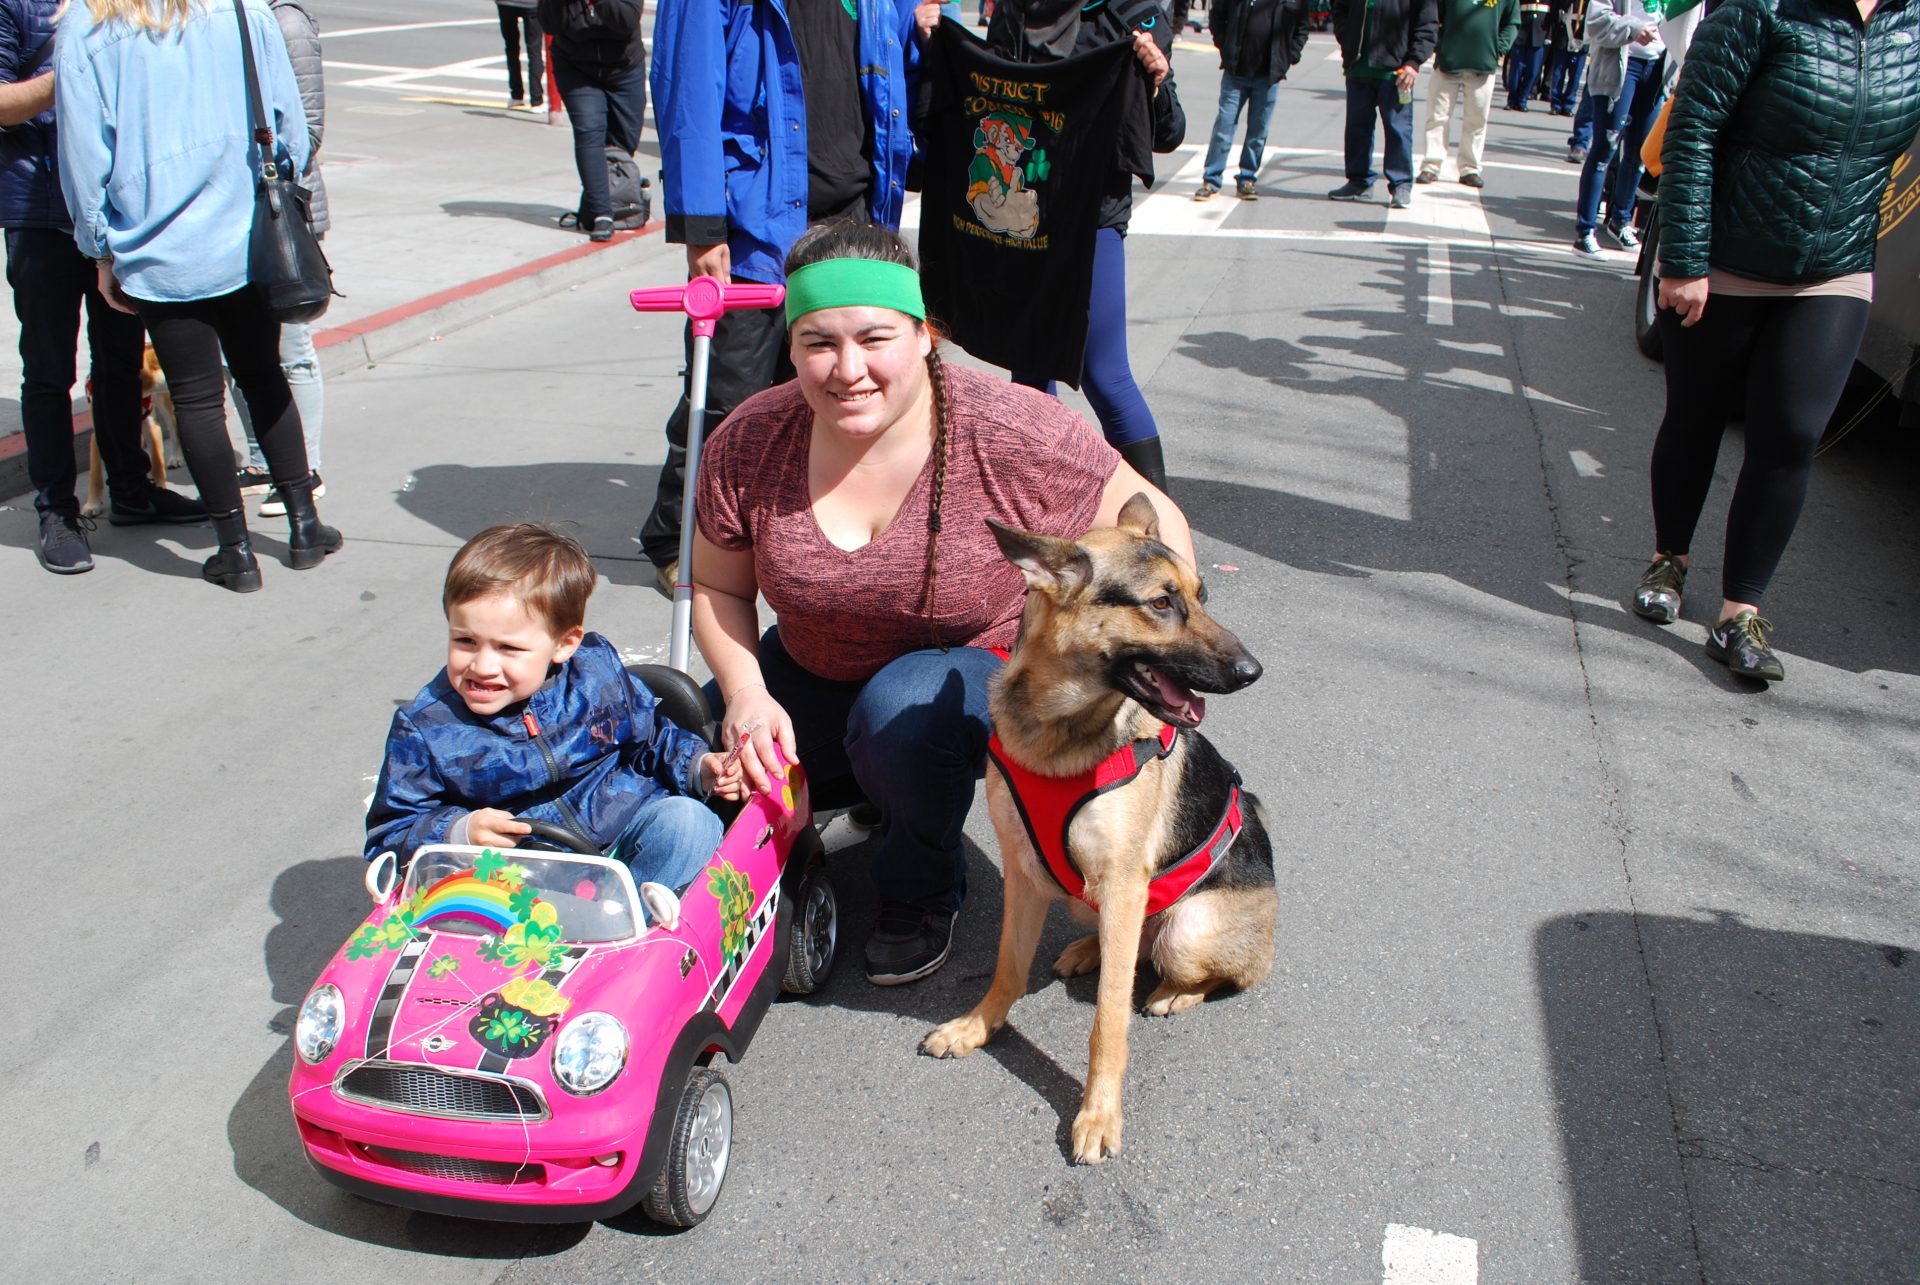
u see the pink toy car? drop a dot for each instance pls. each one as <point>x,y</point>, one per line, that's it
<point>503,1038</point>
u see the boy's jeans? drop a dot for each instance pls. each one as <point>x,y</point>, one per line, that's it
<point>669,840</point>
<point>1258,97</point>
<point>1475,90</point>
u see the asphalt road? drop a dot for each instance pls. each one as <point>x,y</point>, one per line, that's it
<point>1596,964</point>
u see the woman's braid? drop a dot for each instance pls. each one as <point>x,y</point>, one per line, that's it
<point>942,413</point>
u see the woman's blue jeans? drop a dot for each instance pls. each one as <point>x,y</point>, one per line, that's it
<point>912,739</point>
<point>1257,96</point>
<point>1621,120</point>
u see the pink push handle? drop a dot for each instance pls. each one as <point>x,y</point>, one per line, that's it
<point>705,300</point>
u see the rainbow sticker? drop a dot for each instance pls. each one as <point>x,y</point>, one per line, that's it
<point>464,897</point>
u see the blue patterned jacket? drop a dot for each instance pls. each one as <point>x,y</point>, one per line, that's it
<point>601,752</point>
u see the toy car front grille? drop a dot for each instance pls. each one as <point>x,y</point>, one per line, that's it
<point>455,1168</point>
<point>433,1091</point>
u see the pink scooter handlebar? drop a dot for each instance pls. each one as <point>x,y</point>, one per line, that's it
<point>705,300</point>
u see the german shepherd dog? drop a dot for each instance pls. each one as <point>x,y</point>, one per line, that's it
<point>1115,642</point>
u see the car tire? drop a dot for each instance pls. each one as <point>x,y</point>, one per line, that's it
<point>689,1184</point>
<point>1646,303</point>
<point>814,939</point>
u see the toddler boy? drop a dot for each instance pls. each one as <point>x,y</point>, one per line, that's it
<point>534,718</point>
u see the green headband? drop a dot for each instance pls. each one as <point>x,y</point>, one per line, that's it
<point>854,283</point>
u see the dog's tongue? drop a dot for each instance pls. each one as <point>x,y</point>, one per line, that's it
<point>1187,707</point>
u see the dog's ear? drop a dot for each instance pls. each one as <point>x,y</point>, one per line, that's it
<point>1140,517</point>
<point>1048,562</point>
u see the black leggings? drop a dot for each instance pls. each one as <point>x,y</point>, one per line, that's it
<point>189,339</point>
<point>1793,356</point>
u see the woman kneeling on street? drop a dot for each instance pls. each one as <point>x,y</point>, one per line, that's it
<point>855,497</point>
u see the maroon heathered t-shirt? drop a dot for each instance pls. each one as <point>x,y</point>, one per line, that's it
<point>1015,455</point>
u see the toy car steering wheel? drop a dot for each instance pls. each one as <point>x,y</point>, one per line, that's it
<point>561,838</point>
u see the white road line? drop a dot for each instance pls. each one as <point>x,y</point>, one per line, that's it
<point>1439,285</point>
<point>1584,464</point>
<point>331,65</point>
<point>484,69</point>
<point>1416,1256</point>
<point>408,26</point>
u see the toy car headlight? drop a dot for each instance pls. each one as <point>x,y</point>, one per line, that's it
<point>318,1029</point>
<point>590,1053</point>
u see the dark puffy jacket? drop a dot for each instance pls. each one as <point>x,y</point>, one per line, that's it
<point>1402,33</point>
<point>29,152</point>
<point>607,751</point>
<point>1784,131</point>
<point>303,48</point>
<point>600,37</point>
<point>1227,20</point>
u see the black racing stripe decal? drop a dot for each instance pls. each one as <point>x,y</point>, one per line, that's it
<point>380,1028</point>
<point>492,1063</point>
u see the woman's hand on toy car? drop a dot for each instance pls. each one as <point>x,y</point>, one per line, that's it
<point>755,723</point>
<point>493,828</point>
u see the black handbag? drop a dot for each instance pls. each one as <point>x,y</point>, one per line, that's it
<point>284,260</point>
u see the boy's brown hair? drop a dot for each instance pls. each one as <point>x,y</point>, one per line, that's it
<point>545,569</point>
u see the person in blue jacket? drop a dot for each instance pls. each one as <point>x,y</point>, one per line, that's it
<point>50,279</point>
<point>535,718</point>
<point>159,164</point>
<point>773,116</point>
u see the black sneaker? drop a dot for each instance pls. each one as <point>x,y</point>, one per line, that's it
<point>254,481</point>
<point>152,504</point>
<point>864,816</point>
<point>63,543</point>
<point>602,229</point>
<point>1352,190</point>
<point>1741,645</point>
<point>1657,596</point>
<point>908,943</point>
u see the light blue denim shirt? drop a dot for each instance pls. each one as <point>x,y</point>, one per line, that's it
<point>157,157</point>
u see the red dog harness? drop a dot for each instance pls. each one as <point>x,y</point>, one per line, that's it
<point>1048,804</point>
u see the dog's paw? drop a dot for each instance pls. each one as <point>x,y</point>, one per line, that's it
<point>1080,958</point>
<point>1169,999</point>
<point>1096,1135</point>
<point>93,508</point>
<point>957,1038</point>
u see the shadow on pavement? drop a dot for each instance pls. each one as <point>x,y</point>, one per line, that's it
<point>319,903</point>
<point>1764,1128</point>
<point>539,215</point>
<point>1471,447</point>
<point>601,504</point>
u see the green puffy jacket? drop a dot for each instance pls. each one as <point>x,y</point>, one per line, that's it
<point>1785,127</point>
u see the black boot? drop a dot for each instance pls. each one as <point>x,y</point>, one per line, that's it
<point>234,566</point>
<point>1147,460</point>
<point>308,542</point>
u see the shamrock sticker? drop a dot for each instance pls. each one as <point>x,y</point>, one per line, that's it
<point>534,940</point>
<point>390,933</point>
<point>443,966</point>
<point>735,895</point>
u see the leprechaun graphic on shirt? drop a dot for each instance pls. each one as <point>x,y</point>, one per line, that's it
<point>996,187</point>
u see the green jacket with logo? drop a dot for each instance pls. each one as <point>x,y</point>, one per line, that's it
<point>1789,117</point>
<point>1475,34</point>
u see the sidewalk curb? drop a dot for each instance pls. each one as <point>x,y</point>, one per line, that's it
<point>370,340</point>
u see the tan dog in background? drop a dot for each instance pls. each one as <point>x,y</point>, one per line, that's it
<point>161,436</point>
<point>1114,645</point>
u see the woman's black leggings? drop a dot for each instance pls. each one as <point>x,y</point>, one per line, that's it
<point>189,338</point>
<point>1793,356</point>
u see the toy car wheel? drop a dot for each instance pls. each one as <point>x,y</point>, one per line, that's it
<point>815,936</point>
<point>697,1158</point>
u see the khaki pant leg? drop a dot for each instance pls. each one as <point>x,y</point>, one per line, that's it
<point>1478,92</point>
